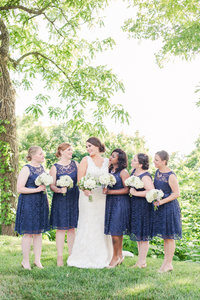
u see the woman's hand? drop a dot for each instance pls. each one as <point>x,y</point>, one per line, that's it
<point>63,190</point>
<point>87,193</point>
<point>157,203</point>
<point>41,188</point>
<point>105,191</point>
<point>133,192</point>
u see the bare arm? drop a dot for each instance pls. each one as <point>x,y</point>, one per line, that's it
<point>148,185</point>
<point>124,175</point>
<point>21,182</point>
<point>82,172</point>
<point>82,168</point>
<point>53,186</point>
<point>77,165</point>
<point>173,183</point>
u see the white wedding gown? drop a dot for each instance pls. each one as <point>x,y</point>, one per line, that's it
<point>92,248</point>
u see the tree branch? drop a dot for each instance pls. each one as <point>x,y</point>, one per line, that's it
<point>52,22</point>
<point>29,10</point>
<point>35,53</point>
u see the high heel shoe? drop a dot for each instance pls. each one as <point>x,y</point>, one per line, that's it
<point>121,260</point>
<point>165,270</point>
<point>39,266</point>
<point>114,265</point>
<point>140,266</point>
<point>28,268</point>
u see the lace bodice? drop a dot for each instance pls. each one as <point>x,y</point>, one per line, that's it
<point>161,181</point>
<point>34,173</point>
<point>70,170</point>
<point>95,171</point>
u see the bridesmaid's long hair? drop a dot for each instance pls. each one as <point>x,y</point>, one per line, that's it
<point>122,160</point>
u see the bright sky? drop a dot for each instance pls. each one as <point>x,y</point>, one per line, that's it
<point>161,102</point>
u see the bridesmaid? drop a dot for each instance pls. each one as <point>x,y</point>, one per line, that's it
<point>117,213</point>
<point>64,209</point>
<point>141,209</point>
<point>32,209</point>
<point>167,219</point>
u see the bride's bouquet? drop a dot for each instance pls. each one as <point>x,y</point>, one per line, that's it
<point>154,195</point>
<point>107,179</point>
<point>87,182</point>
<point>44,179</point>
<point>134,182</point>
<point>65,181</point>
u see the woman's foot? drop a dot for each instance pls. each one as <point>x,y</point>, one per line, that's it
<point>26,266</point>
<point>60,261</point>
<point>140,266</point>
<point>121,260</point>
<point>39,265</point>
<point>114,263</point>
<point>166,268</point>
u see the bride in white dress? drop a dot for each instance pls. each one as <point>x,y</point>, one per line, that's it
<point>92,248</point>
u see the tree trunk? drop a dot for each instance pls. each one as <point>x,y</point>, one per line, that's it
<point>9,163</point>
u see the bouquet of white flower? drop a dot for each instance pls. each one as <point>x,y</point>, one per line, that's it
<point>44,179</point>
<point>65,181</point>
<point>154,195</point>
<point>107,179</point>
<point>135,182</point>
<point>87,182</point>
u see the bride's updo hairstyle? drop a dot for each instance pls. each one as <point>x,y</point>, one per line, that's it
<point>122,160</point>
<point>163,155</point>
<point>143,160</point>
<point>32,151</point>
<point>62,147</point>
<point>97,143</point>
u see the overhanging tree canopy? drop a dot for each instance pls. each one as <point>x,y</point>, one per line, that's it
<point>175,22</point>
<point>42,39</point>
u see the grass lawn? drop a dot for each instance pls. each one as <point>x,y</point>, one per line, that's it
<point>123,282</point>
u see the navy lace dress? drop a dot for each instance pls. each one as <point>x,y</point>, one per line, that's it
<point>117,215</point>
<point>64,209</point>
<point>141,212</point>
<point>167,219</point>
<point>32,209</point>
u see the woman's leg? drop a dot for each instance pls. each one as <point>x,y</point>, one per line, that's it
<point>169,248</point>
<point>37,248</point>
<point>120,247</point>
<point>143,250</point>
<point>116,245</point>
<point>143,247</point>
<point>70,239</point>
<point>26,245</point>
<point>60,240</point>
